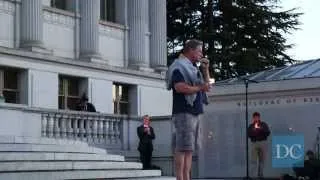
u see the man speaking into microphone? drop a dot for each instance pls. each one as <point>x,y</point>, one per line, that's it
<point>188,86</point>
<point>258,132</point>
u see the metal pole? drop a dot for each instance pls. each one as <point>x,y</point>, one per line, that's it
<point>318,143</point>
<point>247,121</point>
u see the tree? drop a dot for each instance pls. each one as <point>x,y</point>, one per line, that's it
<point>182,23</point>
<point>240,36</point>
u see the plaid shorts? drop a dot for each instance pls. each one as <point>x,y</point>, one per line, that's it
<point>186,132</point>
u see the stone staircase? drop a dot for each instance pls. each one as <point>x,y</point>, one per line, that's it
<point>50,159</point>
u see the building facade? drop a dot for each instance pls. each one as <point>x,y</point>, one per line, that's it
<point>114,51</point>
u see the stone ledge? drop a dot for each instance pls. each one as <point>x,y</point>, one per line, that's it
<point>43,140</point>
<point>153,178</point>
<point>53,156</point>
<point>79,63</point>
<point>94,174</point>
<point>50,148</point>
<point>66,165</point>
<point>23,107</point>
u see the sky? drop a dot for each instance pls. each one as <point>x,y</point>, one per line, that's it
<point>305,40</point>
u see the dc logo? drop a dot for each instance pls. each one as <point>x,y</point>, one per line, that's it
<point>284,151</point>
<point>287,151</point>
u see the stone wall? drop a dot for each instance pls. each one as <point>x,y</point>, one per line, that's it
<point>288,108</point>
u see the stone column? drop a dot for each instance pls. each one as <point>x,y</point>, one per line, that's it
<point>121,18</point>
<point>158,30</point>
<point>89,30</point>
<point>32,26</point>
<point>137,33</point>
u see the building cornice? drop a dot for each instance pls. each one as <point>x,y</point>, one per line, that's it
<point>78,63</point>
<point>266,95</point>
<point>266,87</point>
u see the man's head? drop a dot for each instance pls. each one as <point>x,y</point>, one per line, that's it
<point>256,117</point>
<point>146,120</point>
<point>193,50</point>
<point>310,155</point>
<point>84,99</point>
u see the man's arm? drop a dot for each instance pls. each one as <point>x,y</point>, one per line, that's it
<point>205,69</point>
<point>266,129</point>
<point>250,131</point>
<point>182,87</point>
<point>93,109</point>
<point>140,132</point>
<point>152,135</point>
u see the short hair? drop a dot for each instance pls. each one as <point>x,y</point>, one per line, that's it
<point>191,45</point>
<point>256,114</point>
<point>84,97</point>
<point>310,153</point>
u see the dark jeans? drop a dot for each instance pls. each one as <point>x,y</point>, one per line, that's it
<point>145,158</point>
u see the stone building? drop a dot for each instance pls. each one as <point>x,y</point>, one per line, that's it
<point>54,51</point>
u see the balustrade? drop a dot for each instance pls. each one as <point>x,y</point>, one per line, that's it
<point>94,128</point>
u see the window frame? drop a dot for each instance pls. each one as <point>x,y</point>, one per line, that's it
<point>4,89</point>
<point>56,5</point>
<point>108,11</point>
<point>117,101</point>
<point>65,80</point>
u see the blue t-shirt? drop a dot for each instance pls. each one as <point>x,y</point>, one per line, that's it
<point>180,104</point>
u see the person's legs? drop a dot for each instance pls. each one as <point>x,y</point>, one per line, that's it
<point>176,143</point>
<point>187,165</point>
<point>143,160</point>
<point>179,164</point>
<point>148,159</point>
<point>259,152</point>
<point>253,161</point>
<point>184,145</point>
<point>262,157</point>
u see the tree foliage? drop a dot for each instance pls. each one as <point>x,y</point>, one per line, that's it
<point>240,36</point>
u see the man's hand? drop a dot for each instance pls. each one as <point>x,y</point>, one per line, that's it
<point>205,87</point>
<point>205,69</point>
<point>147,130</point>
<point>204,64</point>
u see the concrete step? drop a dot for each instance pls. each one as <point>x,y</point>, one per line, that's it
<point>152,178</point>
<point>82,174</point>
<point>34,140</point>
<point>51,156</point>
<point>66,165</point>
<point>49,148</point>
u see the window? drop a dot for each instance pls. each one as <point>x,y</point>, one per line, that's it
<point>107,10</point>
<point>120,99</point>
<point>59,4</point>
<point>9,85</point>
<point>69,94</point>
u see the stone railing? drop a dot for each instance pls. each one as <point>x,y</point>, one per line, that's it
<point>94,128</point>
<point>113,132</point>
